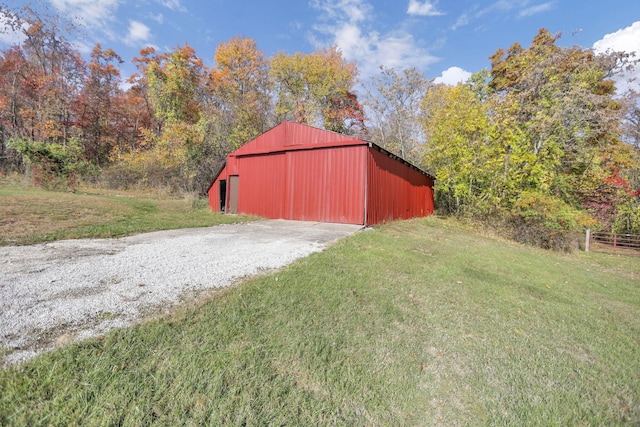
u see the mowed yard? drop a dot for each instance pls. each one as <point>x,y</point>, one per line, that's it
<point>30,215</point>
<point>420,322</point>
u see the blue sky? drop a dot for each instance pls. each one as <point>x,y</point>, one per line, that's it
<point>444,39</point>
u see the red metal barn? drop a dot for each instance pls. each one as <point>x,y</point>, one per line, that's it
<point>298,172</point>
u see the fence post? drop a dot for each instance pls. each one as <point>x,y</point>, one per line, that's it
<point>614,242</point>
<point>587,240</point>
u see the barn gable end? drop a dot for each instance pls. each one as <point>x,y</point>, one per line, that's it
<point>289,136</point>
<point>298,172</point>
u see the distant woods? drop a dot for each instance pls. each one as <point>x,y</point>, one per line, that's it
<point>541,144</point>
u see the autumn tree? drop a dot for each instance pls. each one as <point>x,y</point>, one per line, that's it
<point>55,78</point>
<point>44,75</point>
<point>174,81</point>
<point>532,141</point>
<point>459,151</point>
<point>612,195</point>
<point>13,67</point>
<point>631,123</point>
<point>99,106</point>
<point>566,108</point>
<point>571,116</point>
<point>240,105</point>
<point>317,89</point>
<point>394,102</point>
<point>171,86</point>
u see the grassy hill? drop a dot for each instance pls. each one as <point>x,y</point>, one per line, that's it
<point>29,215</point>
<point>420,322</point>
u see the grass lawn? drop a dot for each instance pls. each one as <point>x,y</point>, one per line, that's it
<point>29,215</point>
<point>421,322</point>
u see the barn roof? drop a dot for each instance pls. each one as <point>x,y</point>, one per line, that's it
<point>289,136</point>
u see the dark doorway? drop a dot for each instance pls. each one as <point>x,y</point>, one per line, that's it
<point>223,194</point>
<point>234,182</point>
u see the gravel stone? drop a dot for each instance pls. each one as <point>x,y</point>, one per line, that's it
<point>55,293</point>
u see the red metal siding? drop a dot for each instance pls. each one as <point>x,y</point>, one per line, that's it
<point>326,184</point>
<point>214,191</point>
<point>262,185</point>
<point>395,190</point>
<point>230,168</point>
<point>311,185</point>
<point>303,173</point>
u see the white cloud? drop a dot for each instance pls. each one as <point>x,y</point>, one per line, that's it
<point>158,17</point>
<point>352,10</point>
<point>9,35</point>
<point>523,8</point>
<point>92,13</point>
<point>452,76</point>
<point>138,33</point>
<point>533,10</point>
<point>504,9</point>
<point>426,8</point>
<point>175,5</point>
<point>83,47</point>
<point>509,4</point>
<point>624,40</point>
<point>348,25</point>
<point>350,39</point>
<point>461,22</point>
<point>400,50</point>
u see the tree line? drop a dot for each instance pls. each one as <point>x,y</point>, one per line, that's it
<point>540,144</point>
<point>171,123</point>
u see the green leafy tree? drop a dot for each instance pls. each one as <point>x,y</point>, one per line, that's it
<point>175,80</point>
<point>53,165</point>
<point>458,150</point>
<point>173,88</point>
<point>533,142</point>
<point>571,117</point>
<point>565,108</point>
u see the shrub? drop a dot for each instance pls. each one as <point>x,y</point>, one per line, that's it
<point>53,165</point>
<point>547,222</point>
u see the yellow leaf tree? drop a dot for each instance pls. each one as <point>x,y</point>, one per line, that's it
<point>240,107</point>
<point>316,89</point>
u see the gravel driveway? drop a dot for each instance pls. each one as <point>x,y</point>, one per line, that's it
<point>55,293</point>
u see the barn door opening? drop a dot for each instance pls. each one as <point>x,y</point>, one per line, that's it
<point>223,195</point>
<point>234,181</point>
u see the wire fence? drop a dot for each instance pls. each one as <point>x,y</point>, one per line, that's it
<point>628,244</point>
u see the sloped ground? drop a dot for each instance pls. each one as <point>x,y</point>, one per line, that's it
<point>55,293</point>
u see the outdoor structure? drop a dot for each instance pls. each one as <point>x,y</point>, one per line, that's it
<point>298,172</point>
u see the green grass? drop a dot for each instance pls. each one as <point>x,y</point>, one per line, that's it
<point>29,215</point>
<point>420,322</point>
